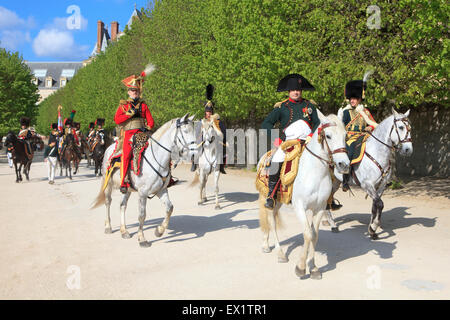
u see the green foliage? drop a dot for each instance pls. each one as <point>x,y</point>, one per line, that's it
<point>396,184</point>
<point>18,95</point>
<point>243,47</point>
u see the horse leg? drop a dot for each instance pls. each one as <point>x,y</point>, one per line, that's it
<point>330,221</point>
<point>164,196</point>
<point>108,199</point>
<point>203,180</point>
<point>300,268</point>
<point>274,217</point>
<point>377,208</point>
<point>123,208</point>
<point>216,182</point>
<point>26,170</point>
<point>315,273</point>
<point>17,172</point>
<point>264,222</point>
<point>70,169</point>
<point>20,171</point>
<point>142,212</point>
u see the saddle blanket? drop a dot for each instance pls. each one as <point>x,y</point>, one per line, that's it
<point>356,146</point>
<point>288,172</point>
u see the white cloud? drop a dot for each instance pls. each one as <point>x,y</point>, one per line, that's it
<point>12,39</point>
<point>58,44</point>
<point>10,20</point>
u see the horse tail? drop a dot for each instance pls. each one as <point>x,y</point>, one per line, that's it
<point>196,180</point>
<point>101,197</point>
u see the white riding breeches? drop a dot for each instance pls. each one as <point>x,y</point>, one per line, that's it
<point>51,165</point>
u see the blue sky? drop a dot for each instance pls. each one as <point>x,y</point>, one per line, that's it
<point>59,30</point>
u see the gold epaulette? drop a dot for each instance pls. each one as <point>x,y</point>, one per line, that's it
<point>278,104</point>
<point>123,101</point>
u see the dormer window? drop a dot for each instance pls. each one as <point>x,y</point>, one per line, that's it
<point>48,82</point>
<point>35,80</point>
<point>62,81</point>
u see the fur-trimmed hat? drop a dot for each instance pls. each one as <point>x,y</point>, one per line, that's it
<point>209,105</point>
<point>354,89</point>
<point>68,122</point>
<point>54,126</point>
<point>25,121</point>
<point>100,122</point>
<point>91,125</point>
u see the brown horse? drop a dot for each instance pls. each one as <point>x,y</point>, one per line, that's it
<point>98,151</point>
<point>69,156</point>
<point>20,155</point>
<point>85,149</point>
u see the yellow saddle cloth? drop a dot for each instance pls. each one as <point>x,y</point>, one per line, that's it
<point>288,172</point>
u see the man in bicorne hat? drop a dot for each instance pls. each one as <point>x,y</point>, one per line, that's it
<point>356,117</point>
<point>132,116</point>
<point>287,112</point>
<point>25,132</point>
<point>51,153</point>
<point>209,111</point>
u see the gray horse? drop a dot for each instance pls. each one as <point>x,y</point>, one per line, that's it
<point>375,169</point>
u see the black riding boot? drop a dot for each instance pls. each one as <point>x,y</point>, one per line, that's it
<point>345,179</point>
<point>222,168</point>
<point>272,183</point>
<point>194,165</point>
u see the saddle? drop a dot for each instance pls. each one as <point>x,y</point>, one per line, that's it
<point>28,149</point>
<point>288,172</point>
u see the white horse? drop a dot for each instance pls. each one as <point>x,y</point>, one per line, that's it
<point>208,160</point>
<point>311,189</point>
<point>375,169</point>
<point>174,136</point>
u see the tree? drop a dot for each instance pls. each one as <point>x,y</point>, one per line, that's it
<point>18,95</point>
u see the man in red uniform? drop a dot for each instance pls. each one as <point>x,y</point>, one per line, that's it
<point>132,116</point>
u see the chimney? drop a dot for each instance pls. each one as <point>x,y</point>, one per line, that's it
<point>100,27</point>
<point>114,30</point>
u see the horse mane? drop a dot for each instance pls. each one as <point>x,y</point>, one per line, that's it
<point>161,130</point>
<point>334,118</point>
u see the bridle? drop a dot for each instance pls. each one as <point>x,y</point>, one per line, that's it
<point>210,140</point>
<point>185,146</point>
<point>396,147</point>
<point>321,138</point>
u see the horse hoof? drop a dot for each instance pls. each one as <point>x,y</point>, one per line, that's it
<point>200,203</point>
<point>217,207</point>
<point>374,236</point>
<point>157,233</point>
<point>108,230</point>
<point>316,275</point>
<point>126,235</point>
<point>266,250</point>
<point>300,272</point>
<point>335,230</point>
<point>282,260</point>
<point>144,244</point>
<point>325,223</point>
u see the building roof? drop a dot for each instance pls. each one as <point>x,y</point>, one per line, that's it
<point>136,13</point>
<point>56,70</point>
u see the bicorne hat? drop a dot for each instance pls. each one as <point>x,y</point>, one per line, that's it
<point>25,121</point>
<point>294,81</point>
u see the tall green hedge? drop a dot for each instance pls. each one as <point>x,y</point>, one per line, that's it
<point>18,95</point>
<point>243,47</point>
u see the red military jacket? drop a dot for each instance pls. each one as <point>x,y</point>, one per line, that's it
<point>141,106</point>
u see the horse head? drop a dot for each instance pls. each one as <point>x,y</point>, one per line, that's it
<point>210,130</point>
<point>10,139</point>
<point>331,135</point>
<point>401,133</point>
<point>184,138</point>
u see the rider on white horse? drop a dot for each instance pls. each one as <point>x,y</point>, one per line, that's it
<point>356,117</point>
<point>287,112</point>
<point>209,111</point>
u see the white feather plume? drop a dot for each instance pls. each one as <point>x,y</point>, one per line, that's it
<point>367,75</point>
<point>149,69</point>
